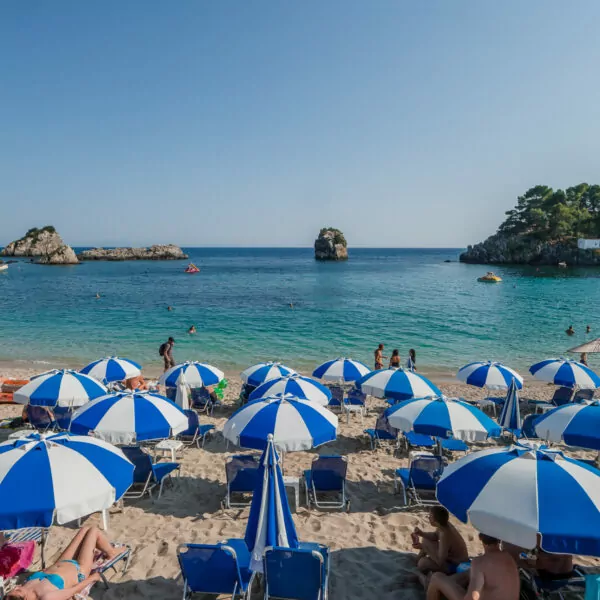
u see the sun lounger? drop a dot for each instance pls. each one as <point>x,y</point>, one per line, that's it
<point>245,392</point>
<point>535,587</point>
<point>325,482</point>
<point>102,566</point>
<point>30,534</point>
<point>202,400</point>
<point>337,397</point>
<point>40,417</point>
<point>583,395</point>
<point>195,433</point>
<point>297,573</point>
<point>418,440</point>
<point>147,475</point>
<point>452,445</point>
<point>215,568</point>
<point>241,472</point>
<point>62,417</point>
<point>418,482</point>
<point>354,403</point>
<point>382,432</point>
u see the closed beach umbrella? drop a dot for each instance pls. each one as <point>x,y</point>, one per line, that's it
<point>295,424</point>
<point>129,418</point>
<point>270,522</point>
<point>295,385</point>
<point>520,492</point>
<point>182,397</point>
<point>510,417</point>
<point>341,369</point>
<point>197,375</point>
<point>59,388</point>
<point>574,424</point>
<point>57,478</point>
<point>442,417</point>
<point>397,384</point>
<point>257,374</point>
<point>492,375</point>
<point>112,369</point>
<point>566,373</point>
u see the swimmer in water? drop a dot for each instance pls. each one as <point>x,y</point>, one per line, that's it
<point>97,296</point>
<point>192,329</point>
<point>588,329</point>
<point>169,308</point>
<point>570,331</point>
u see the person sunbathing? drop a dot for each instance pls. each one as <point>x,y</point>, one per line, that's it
<point>71,573</point>
<point>493,576</point>
<point>136,383</point>
<point>441,550</point>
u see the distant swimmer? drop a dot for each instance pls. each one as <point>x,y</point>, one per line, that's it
<point>570,331</point>
<point>192,329</point>
<point>588,329</point>
<point>292,305</point>
<point>169,308</point>
<point>97,296</point>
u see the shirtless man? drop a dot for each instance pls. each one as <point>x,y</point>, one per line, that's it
<point>441,550</point>
<point>379,357</point>
<point>493,576</point>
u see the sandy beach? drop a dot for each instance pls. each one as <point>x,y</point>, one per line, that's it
<point>371,546</point>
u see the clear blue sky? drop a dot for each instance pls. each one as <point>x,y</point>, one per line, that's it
<point>255,123</point>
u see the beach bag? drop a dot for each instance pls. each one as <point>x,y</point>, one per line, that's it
<point>162,349</point>
<point>592,587</point>
<point>15,558</point>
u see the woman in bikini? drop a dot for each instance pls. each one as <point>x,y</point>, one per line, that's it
<point>71,573</point>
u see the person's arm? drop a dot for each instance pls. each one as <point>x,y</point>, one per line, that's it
<point>443,548</point>
<point>432,536</point>
<point>68,593</point>
<point>476,582</point>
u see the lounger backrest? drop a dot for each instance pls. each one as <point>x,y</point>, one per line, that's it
<point>425,471</point>
<point>200,396</point>
<point>419,439</point>
<point>329,472</point>
<point>337,394</point>
<point>583,395</point>
<point>293,573</point>
<point>209,569</point>
<point>356,397</point>
<point>562,396</point>
<point>141,461</point>
<point>242,472</point>
<point>62,416</point>
<point>383,425</point>
<point>39,416</point>
<point>247,389</point>
<point>171,393</point>
<point>193,423</point>
<point>528,426</point>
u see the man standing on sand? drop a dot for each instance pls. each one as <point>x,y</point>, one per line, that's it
<point>166,351</point>
<point>379,357</point>
<point>493,576</point>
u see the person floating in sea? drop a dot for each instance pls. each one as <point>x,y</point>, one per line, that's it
<point>169,308</point>
<point>588,329</point>
<point>166,351</point>
<point>411,363</point>
<point>97,296</point>
<point>379,357</point>
<point>570,330</point>
<point>192,330</point>
<point>395,359</point>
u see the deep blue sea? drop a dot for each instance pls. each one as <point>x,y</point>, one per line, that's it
<point>240,305</point>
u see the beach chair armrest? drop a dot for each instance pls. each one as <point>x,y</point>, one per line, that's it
<point>161,470</point>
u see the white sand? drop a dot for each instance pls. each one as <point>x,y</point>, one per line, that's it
<point>371,546</point>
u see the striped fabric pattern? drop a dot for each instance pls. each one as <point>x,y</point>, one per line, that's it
<point>574,424</point>
<point>566,373</point>
<point>397,384</point>
<point>295,385</point>
<point>341,370</point>
<point>197,375</point>
<point>111,369</point>
<point>492,375</point>
<point>257,374</point>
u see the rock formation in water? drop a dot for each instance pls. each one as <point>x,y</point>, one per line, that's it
<point>44,243</point>
<point>156,252</point>
<point>331,245</point>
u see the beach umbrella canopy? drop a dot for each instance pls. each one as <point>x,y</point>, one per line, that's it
<point>526,490</point>
<point>57,478</point>
<point>489,374</point>
<point>442,417</point>
<point>197,375</point>
<point>257,374</point>
<point>270,522</point>
<point>341,369</point>
<point>566,373</point>
<point>112,368</point>
<point>296,385</point>
<point>510,417</point>
<point>59,388</point>
<point>590,347</point>
<point>397,384</point>
<point>130,417</point>
<point>294,423</point>
<point>574,424</point>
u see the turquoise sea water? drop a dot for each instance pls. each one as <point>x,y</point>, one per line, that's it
<point>240,304</point>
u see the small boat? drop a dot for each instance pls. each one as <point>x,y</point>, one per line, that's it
<point>192,268</point>
<point>490,277</point>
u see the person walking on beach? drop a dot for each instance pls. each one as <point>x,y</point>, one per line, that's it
<point>166,351</point>
<point>379,357</point>
<point>395,359</point>
<point>411,363</point>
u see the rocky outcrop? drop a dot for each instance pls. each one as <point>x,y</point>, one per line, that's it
<point>524,250</point>
<point>331,245</point>
<point>44,243</point>
<point>156,252</point>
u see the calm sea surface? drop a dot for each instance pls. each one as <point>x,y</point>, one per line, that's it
<point>240,304</point>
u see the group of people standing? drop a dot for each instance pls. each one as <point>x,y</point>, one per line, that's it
<point>395,360</point>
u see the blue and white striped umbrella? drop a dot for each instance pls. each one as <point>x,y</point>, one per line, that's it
<point>444,418</point>
<point>574,424</point>
<point>295,424</point>
<point>112,368</point>
<point>510,417</point>
<point>129,418</point>
<point>270,522</point>
<point>492,375</point>
<point>295,385</point>
<point>516,493</point>
<point>567,373</point>
<point>397,384</point>
<point>341,369</point>
<point>59,388</point>
<point>197,375</point>
<point>257,374</point>
<point>57,478</point>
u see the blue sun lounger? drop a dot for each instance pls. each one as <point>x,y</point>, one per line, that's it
<point>297,573</point>
<point>241,472</point>
<point>382,432</point>
<point>195,433</point>
<point>147,475</point>
<point>327,477</point>
<point>418,482</point>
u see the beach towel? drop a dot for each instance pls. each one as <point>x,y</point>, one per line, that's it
<point>15,558</point>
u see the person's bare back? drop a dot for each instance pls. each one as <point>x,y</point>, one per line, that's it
<point>495,576</point>
<point>457,548</point>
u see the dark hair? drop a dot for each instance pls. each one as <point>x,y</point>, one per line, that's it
<point>413,355</point>
<point>440,515</point>
<point>488,540</point>
<point>380,346</point>
<point>395,352</point>
<point>171,339</point>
